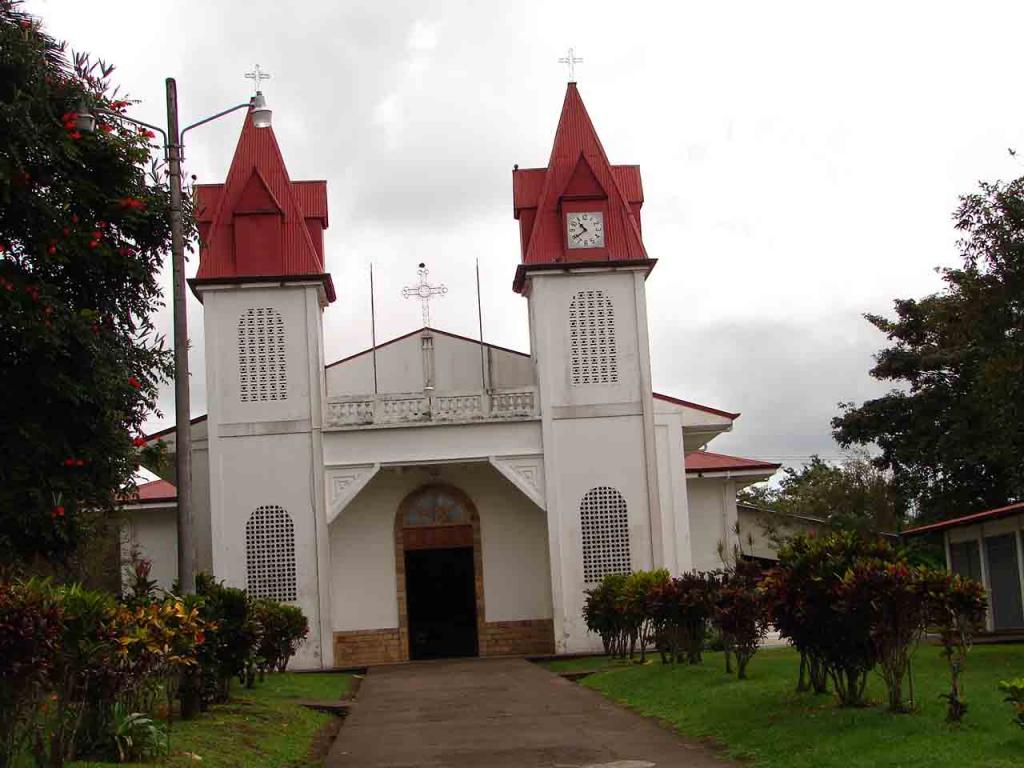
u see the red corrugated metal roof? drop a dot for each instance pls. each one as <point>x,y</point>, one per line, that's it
<point>706,461</point>
<point>977,517</point>
<point>257,223</point>
<point>578,170</point>
<point>698,406</point>
<point>153,492</point>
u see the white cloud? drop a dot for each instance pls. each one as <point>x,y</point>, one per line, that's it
<point>800,160</point>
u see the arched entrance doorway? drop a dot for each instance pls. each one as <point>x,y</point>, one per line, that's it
<point>440,574</point>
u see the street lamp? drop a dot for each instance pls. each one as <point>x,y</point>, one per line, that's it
<point>85,121</point>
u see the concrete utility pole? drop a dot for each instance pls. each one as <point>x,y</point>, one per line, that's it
<point>182,404</point>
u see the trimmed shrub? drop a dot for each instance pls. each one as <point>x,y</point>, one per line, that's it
<point>739,614</point>
<point>603,617</point>
<point>681,609</point>
<point>230,642</point>
<point>282,628</point>
<point>803,594</point>
<point>891,596</point>
<point>956,611</point>
<point>635,607</point>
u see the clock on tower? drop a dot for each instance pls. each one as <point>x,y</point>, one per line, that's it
<point>585,229</point>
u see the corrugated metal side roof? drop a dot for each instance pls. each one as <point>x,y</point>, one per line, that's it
<point>706,461</point>
<point>312,197</point>
<point>977,517</point>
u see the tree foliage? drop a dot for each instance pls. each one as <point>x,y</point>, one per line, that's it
<point>82,231</point>
<point>854,495</point>
<point>950,431</point>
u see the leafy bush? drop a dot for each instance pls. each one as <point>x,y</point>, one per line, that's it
<point>30,629</point>
<point>803,596</point>
<point>635,608</point>
<point>282,628</point>
<point>73,661</point>
<point>681,609</point>
<point>136,735</point>
<point>891,597</point>
<point>231,641</point>
<point>602,615</point>
<point>739,613</point>
<point>1014,690</point>
<point>956,612</point>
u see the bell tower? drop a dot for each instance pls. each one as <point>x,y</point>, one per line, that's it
<point>583,270</point>
<point>263,287</point>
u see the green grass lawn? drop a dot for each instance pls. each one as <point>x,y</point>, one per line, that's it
<point>764,722</point>
<point>258,728</point>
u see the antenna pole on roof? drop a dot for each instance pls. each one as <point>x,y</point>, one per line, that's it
<point>373,331</point>
<point>480,322</point>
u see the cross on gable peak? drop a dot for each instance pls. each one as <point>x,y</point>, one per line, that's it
<point>570,61</point>
<point>257,76</point>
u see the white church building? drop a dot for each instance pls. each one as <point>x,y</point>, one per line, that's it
<point>439,496</point>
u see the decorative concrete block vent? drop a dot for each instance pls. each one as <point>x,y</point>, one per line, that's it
<point>262,368</point>
<point>604,523</point>
<point>594,357</point>
<point>270,554</point>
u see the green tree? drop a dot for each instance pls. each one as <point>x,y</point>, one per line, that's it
<point>854,495</point>
<point>952,431</point>
<point>82,231</point>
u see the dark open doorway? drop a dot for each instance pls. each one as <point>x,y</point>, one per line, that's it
<point>441,602</point>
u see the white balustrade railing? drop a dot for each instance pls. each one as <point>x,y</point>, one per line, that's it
<point>446,407</point>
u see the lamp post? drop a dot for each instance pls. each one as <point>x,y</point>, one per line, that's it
<point>173,149</point>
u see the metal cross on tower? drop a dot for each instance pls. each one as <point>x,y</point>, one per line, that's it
<point>571,61</point>
<point>424,292</point>
<point>257,76</point>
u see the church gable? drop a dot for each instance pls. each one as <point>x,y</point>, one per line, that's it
<point>456,366</point>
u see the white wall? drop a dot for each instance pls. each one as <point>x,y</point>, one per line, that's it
<point>761,531</point>
<point>419,443</point>
<point>594,434</point>
<point>674,550</point>
<point>513,539</point>
<point>712,517</point>
<point>269,452</point>
<point>153,533</point>
<point>456,367</point>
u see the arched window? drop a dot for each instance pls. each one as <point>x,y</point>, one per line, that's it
<point>270,553</point>
<point>592,351</point>
<point>262,372</point>
<point>604,523</point>
<point>434,506</point>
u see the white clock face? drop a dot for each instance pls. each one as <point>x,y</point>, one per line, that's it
<point>585,230</point>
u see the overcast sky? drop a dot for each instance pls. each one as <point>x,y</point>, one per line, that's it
<point>800,161</point>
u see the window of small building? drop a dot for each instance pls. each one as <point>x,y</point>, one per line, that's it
<point>965,559</point>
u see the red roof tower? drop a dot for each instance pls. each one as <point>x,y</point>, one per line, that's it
<point>259,225</point>
<point>578,177</point>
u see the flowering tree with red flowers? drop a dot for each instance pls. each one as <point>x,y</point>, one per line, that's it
<point>82,233</point>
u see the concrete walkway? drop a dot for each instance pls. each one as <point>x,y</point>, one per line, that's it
<point>500,713</point>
